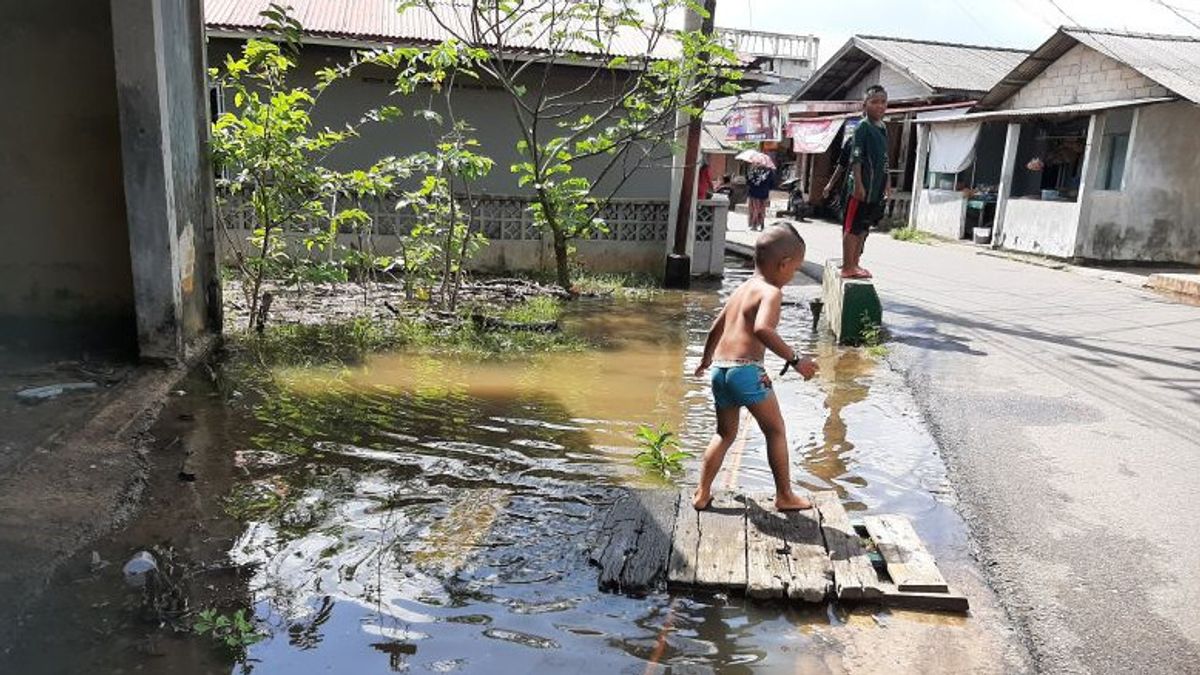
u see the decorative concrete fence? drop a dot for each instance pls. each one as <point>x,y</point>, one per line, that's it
<point>636,240</point>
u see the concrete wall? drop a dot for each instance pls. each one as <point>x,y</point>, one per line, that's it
<point>899,86</point>
<point>942,212</point>
<point>482,106</point>
<point>1083,75</point>
<point>1156,216</point>
<point>1042,227</point>
<point>64,251</point>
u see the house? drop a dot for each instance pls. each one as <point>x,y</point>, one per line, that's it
<point>1087,150</point>
<point>640,215</point>
<point>919,75</point>
<point>106,225</point>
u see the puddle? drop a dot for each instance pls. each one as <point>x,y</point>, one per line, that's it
<point>420,514</point>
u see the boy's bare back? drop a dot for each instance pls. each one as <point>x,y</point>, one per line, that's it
<point>754,306</point>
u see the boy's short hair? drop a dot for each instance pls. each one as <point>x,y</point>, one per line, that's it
<point>779,241</point>
<point>875,90</point>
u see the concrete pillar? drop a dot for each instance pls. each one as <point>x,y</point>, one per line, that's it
<point>1087,182</point>
<point>918,185</point>
<point>1004,190</point>
<point>162,100</point>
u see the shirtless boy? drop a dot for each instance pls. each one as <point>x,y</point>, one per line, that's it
<point>737,342</point>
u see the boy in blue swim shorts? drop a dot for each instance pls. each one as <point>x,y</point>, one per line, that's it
<point>737,342</point>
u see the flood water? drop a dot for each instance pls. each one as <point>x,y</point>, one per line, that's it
<point>426,514</point>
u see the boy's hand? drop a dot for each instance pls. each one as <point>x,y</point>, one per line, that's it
<point>704,364</point>
<point>807,368</point>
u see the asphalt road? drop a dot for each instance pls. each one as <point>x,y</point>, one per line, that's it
<point>1068,411</point>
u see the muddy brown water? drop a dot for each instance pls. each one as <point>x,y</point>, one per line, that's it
<point>426,514</point>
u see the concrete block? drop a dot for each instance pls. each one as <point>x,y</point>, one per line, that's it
<point>1183,284</point>
<point>850,304</point>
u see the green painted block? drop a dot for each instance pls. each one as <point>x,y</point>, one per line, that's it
<point>852,304</point>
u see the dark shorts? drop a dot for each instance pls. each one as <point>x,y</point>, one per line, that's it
<point>861,216</point>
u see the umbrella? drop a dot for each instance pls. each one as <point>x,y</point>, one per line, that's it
<point>756,157</point>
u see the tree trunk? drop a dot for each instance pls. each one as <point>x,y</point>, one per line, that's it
<point>560,260</point>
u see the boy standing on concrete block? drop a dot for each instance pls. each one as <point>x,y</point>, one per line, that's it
<point>867,182</point>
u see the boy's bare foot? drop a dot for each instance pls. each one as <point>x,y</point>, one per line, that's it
<point>855,273</point>
<point>701,501</point>
<point>792,502</point>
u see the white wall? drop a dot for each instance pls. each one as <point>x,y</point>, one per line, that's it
<point>899,86</point>
<point>1083,75</point>
<point>942,212</point>
<point>1042,227</point>
<point>1156,216</point>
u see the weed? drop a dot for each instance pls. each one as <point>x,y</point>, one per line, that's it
<point>910,234</point>
<point>538,309</point>
<point>873,337</point>
<point>628,285</point>
<point>660,451</point>
<point>234,631</point>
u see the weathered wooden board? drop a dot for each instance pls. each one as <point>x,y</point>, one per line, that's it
<point>910,566</point>
<point>854,578</point>
<point>648,562</point>
<point>618,538</point>
<point>785,553</point>
<point>768,570</point>
<point>721,553</point>
<point>681,570</point>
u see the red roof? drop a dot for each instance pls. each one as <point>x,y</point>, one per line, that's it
<point>378,21</point>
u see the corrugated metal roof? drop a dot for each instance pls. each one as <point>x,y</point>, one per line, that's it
<point>1047,111</point>
<point>378,21</point>
<point>939,67</point>
<point>1172,61</point>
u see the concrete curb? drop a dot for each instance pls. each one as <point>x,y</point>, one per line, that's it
<point>812,270</point>
<point>1181,284</point>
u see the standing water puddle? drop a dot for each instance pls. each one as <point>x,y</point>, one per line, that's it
<point>424,514</point>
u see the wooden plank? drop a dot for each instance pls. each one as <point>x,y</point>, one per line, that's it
<point>910,566</point>
<point>768,569</point>
<point>721,553</point>
<point>618,537</point>
<point>854,577</point>
<point>785,553</point>
<point>646,565</point>
<point>812,575</point>
<point>685,540</point>
<point>945,602</point>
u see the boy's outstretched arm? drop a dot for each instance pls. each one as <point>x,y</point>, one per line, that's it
<point>710,345</point>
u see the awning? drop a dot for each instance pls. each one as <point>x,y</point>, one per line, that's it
<point>1047,111</point>
<point>813,136</point>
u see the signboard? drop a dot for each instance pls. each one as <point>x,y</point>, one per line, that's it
<point>753,123</point>
<point>811,137</point>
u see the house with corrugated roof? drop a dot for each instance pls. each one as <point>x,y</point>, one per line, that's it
<point>639,217</point>
<point>1087,150</point>
<point>919,75</point>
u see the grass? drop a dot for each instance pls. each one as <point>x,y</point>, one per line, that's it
<point>873,337</point>
<point>910,234</point>
<point>350,341</point>
<point>620,285</point>
<point>537,310</point>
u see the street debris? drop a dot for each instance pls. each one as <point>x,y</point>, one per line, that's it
<point>35,395</point>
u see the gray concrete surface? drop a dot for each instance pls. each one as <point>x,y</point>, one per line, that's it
<point>1066,407</point>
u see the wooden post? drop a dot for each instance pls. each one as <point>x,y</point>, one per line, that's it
<point>1007,167</point>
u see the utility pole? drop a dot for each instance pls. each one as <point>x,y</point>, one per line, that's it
<point>679,264</point>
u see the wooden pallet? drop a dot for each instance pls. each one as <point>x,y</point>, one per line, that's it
<point>743,545</point>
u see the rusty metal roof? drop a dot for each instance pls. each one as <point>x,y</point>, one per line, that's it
<point>941,68</point>
<point>1068,110</point>
<point>378,22</point>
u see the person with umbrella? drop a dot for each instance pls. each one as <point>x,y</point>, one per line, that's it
<point>760,180</point>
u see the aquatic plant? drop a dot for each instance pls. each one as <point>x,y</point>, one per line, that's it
<point>660,451</point>
<point>234,631</point>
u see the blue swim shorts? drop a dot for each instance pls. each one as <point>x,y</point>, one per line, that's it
<point>740,385</point>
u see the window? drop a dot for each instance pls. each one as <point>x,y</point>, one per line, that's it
<point>1117,127</point>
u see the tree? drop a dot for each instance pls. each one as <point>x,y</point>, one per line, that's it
<point>272,154</point>
<point>581,143</point>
